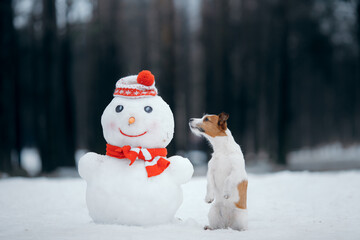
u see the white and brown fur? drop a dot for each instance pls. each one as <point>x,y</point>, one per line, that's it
<point>226,177</point>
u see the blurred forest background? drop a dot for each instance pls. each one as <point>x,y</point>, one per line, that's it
<point>287,72</point>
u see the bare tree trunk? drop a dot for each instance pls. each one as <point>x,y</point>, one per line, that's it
<point>182,82</point>
<point>47,101</point>
<point>216,41</point>
<point>357,81</point>
<point>106,66</point>
<point>68,97</point>
<point>166,18</point>
<point>144,30</point>
<point>9,88</point>
<point>283,114</point>
<point>196,80</point>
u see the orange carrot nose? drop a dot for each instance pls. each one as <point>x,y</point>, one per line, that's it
<point>131,120</point>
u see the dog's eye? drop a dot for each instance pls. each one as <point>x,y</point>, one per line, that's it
<point>119,108</point>
<point>206,119</point>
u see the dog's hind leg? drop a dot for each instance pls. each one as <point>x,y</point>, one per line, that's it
<point>240,219</point>
<point>240,214</point>
<point>216,219</point>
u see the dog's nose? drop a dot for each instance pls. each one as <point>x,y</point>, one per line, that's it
<point>191,119</point>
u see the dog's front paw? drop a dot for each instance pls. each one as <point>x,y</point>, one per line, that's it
<point>209,199</point>
<point>226,194</point>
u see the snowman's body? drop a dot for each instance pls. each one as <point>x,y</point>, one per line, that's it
<point>123,194</point>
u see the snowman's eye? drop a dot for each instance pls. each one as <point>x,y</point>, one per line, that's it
<point>148,109</point>
<point>119,108</point>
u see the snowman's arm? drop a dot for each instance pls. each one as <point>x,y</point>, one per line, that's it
<point>181,169</point>
<point>88,164</point>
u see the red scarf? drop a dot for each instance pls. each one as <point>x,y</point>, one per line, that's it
<point>155,163</point>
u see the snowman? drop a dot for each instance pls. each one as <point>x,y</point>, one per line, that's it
<point>135,183</point>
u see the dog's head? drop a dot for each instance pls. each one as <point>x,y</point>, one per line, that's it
<point>210,125</point>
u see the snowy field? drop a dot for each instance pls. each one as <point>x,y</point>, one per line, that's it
<point>284,205</point>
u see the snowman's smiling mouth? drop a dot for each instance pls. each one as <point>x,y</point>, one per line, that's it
<point>127,135</point>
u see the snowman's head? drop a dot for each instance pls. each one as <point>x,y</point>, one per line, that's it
<point>139,121</point>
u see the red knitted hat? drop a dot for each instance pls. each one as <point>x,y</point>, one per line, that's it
<point>136,86</point>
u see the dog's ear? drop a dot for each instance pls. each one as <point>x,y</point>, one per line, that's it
<point>222,120</point>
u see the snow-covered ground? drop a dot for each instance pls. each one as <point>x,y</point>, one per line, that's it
<point>328,157</point>
<point>284,205</point>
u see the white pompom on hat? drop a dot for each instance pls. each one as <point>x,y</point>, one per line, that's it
<point>136,86</point>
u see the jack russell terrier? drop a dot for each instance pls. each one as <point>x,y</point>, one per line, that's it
<point>226,177</point>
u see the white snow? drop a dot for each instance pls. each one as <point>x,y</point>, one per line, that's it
<point>284,205</point>
<point>22,12</point>
<point>78,154</point>
<point>80,11</point>
<point>327,157</point>
<point>31,161</point>
<point>337,19</point>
